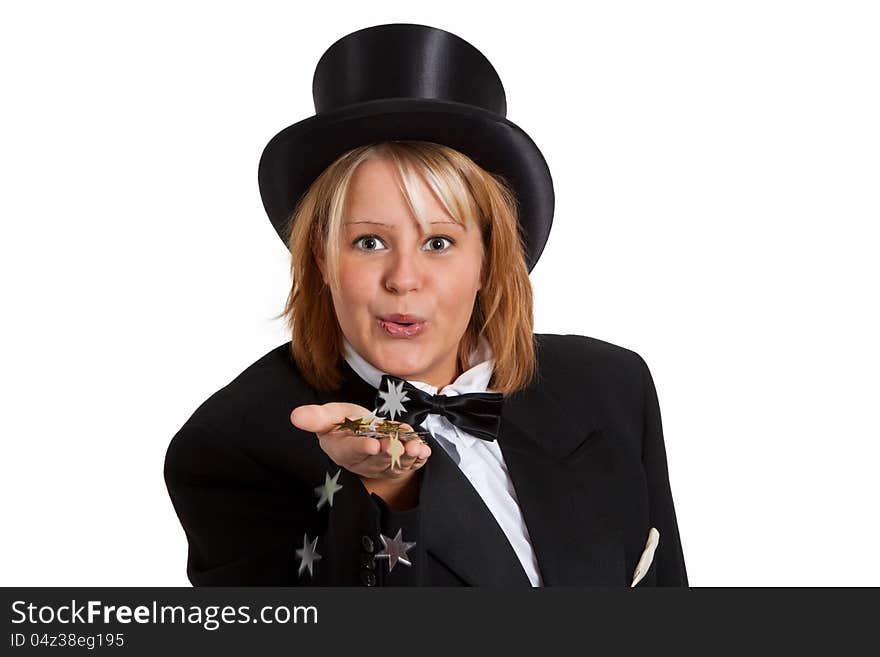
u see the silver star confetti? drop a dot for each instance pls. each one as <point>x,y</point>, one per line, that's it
<point>394,550</point>
<point>326,492</point>
<point>308,555</point>
<point>393,398</point>
<point>373,418</point>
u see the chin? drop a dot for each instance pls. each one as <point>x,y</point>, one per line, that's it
<point>403,369</point>
<point>403,366</point>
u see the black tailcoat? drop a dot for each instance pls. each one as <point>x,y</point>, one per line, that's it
<point>583,445</point>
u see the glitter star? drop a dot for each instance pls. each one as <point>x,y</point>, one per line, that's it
<point>393,398</point>
<point>394,550</point>
<point>396,450</point>
<point>372,419</point>
<point>328,489</point>
<point>351,425</point>
<point>308,555</point>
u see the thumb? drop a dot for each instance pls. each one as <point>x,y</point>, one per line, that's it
<point>323,418</point>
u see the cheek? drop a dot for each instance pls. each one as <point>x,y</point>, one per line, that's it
<point>458,293</point>
<point>355,281</point>
<point>354,295</point>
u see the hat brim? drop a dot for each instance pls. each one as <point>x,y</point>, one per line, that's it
<point>297,155</point>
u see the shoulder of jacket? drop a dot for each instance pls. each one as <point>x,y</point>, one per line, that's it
<point>567,351</point>
<point>243,430</point>
<point>272,375</point>
<point>605,380</point>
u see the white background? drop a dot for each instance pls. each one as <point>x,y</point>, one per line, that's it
<point>716,168</point>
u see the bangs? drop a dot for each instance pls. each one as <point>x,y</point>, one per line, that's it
<point>442,177</point>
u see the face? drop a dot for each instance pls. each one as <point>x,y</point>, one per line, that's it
<point>388,266</point>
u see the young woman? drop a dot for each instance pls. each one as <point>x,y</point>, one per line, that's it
<point>541,458</point>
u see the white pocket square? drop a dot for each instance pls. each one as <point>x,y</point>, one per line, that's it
<point>647,556</point>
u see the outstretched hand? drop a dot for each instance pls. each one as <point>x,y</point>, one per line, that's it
<point>363,455</point>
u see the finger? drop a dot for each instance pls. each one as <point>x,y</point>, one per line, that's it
<point>369,448</point>
<point>375,464</point>
<point>418,450</point>
<point>415,455</point>
<point>422,457</point>
<point>411,452</point>
<point>348,448</point>
<point>413,448</point>
<point>424,452</point>
<point>404,462</point>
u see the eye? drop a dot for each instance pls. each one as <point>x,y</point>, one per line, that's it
<point>438,240</point>
<point>370,240</point>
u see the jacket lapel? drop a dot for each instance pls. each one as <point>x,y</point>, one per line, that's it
<point>574,545</point>
<point>460,530</point>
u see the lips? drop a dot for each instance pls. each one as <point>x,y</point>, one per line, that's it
<point>400,325</point>
<point>401,318</point>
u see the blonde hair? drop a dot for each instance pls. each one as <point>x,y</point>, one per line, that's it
<point>472,196</point>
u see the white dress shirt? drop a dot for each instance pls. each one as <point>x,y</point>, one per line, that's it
<point>481,461</point>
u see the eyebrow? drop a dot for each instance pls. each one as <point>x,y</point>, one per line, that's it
<point>379,223</point>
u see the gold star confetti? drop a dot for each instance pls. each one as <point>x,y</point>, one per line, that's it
<point>396,450</point>
<point>351,425</point>
<point>372,427</point>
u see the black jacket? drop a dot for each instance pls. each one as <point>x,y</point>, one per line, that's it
<point>583,446</point>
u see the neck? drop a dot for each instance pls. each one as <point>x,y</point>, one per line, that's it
<point>439,377</point>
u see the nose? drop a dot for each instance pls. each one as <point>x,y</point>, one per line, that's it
<point>403,273</point>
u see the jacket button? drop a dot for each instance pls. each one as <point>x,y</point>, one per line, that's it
<point>368,561</point>
<point>367,543</point>
<point>368,578</point>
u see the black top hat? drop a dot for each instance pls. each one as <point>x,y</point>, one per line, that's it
<point>404,81</point>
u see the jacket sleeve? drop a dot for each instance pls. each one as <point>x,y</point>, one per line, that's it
<point>668,557</point>
<point>244,521</point>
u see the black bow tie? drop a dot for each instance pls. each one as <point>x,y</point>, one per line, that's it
<point>477,413</point>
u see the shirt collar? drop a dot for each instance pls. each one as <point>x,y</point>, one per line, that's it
<point>475,379</point>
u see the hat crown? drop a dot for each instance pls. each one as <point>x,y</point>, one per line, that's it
<point>405,60</point>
